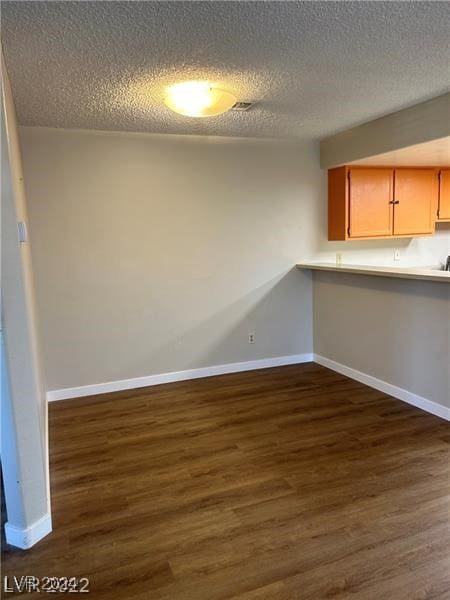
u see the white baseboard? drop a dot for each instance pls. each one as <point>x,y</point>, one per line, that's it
<point>427,405</point>
<point>138,382</point>
<point>25,538</point>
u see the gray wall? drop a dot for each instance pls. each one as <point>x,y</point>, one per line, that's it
<point>161,253</point>
<point>395,330</point>
<point>24,408</point>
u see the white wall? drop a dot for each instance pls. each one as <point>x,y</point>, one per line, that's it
<point>421,251</point>
<point>24,448</point>
<point>161,253</point>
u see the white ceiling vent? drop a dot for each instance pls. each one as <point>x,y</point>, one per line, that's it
<point>242,106</point>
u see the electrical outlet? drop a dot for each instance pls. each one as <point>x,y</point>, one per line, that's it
<point>396,254</point>
<point>251,338</point>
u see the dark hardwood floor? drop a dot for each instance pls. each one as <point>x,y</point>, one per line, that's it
<point>285,483</point>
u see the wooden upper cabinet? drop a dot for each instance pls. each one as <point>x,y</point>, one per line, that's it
<point>443,212</point>
<point>370,196</point>
<point>415,199</point>
<point>381,202</point>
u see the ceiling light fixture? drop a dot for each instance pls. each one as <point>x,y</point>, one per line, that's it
<point>198,99</point>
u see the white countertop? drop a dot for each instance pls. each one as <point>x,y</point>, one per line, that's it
<point>422,273</point>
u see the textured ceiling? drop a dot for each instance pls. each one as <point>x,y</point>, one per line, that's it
<point>314,67</point>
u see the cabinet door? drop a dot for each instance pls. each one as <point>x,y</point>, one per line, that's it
<point>414,195</point>
<point>370,202</point>
<point>444,194</point>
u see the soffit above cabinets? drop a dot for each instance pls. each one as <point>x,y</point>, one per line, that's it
<point>429,154</point>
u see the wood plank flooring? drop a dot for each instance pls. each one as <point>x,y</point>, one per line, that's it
<point>286,483</point>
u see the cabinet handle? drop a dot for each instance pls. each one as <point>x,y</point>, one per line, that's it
<point>394,202</point>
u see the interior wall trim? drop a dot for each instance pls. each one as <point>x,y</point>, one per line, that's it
<point>138,382</point>
<point>25,538</point>
<point>383,386</point>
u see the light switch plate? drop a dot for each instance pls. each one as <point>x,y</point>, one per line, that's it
<point>23,232</point>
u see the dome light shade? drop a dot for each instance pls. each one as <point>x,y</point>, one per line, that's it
<point>198,99</point>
